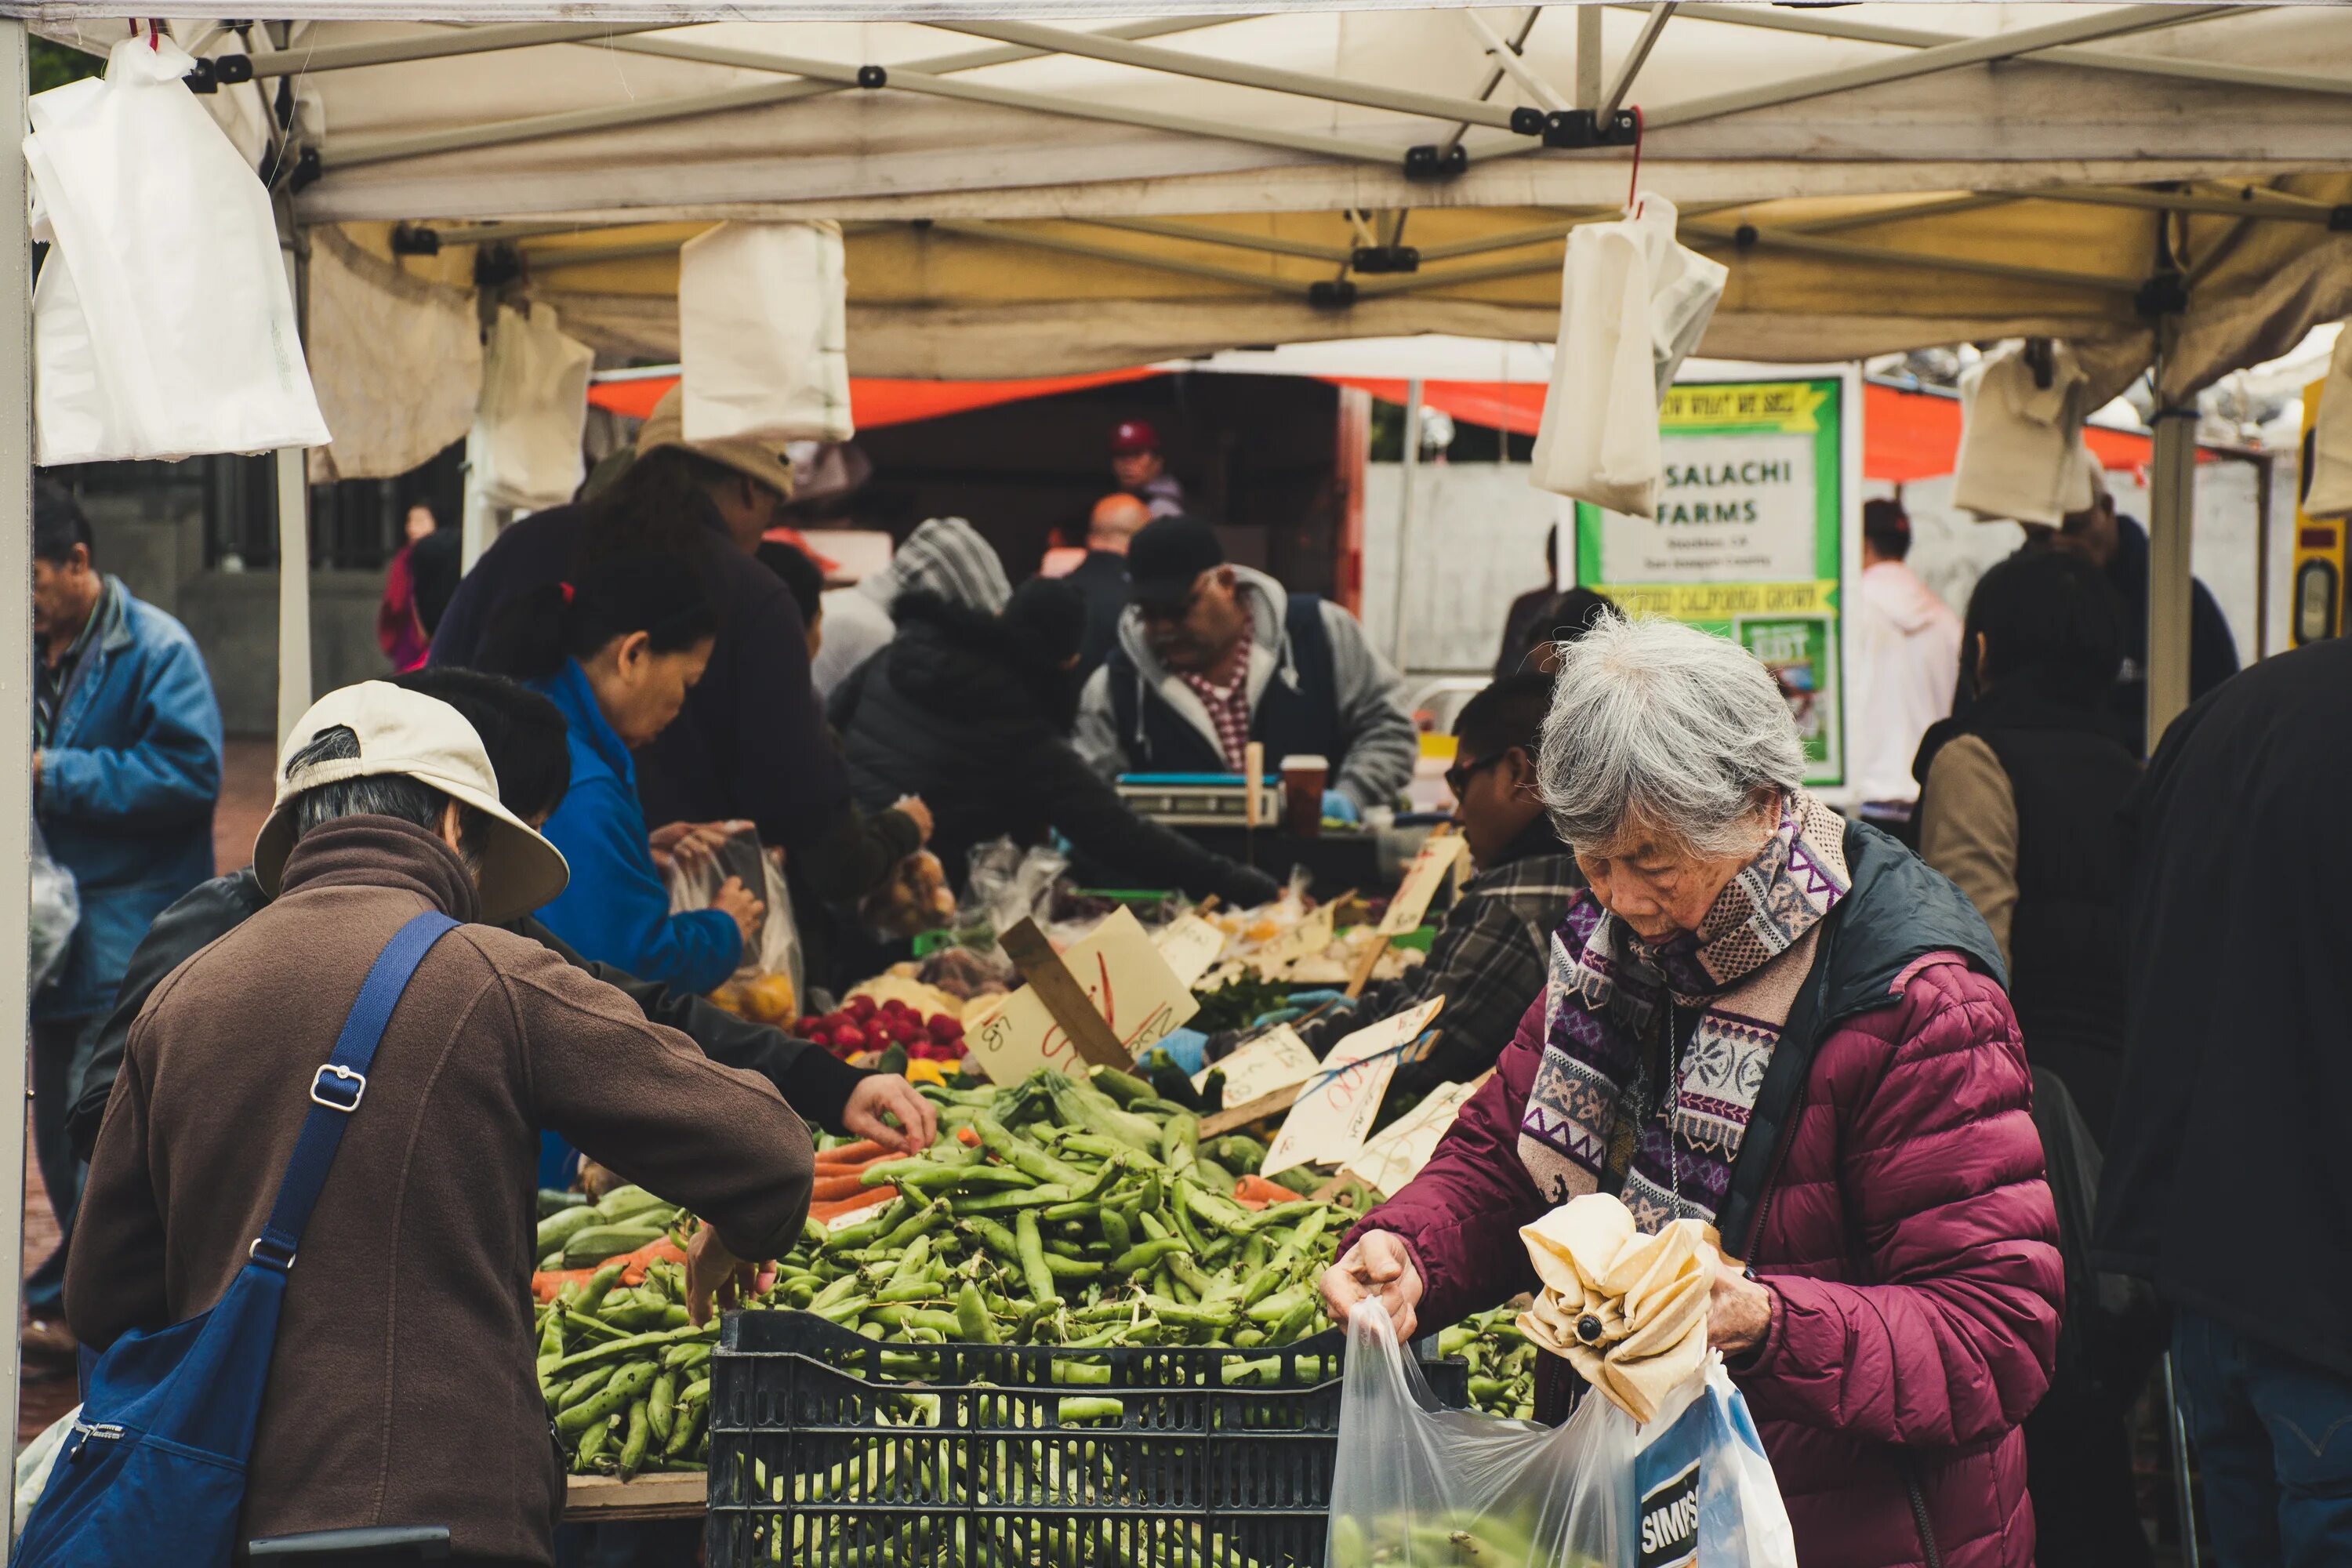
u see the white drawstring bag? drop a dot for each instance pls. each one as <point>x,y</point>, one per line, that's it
<point>763,333</point>
<point>2021,454</point>
<point>524,450</point>
<point>2329,493</point>
<point>163,325</point>
<point>1633,305</point>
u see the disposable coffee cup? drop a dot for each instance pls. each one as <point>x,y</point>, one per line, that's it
<point>1303,780</point>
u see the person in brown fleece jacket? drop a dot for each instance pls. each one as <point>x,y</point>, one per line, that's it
<point>402,1388</point>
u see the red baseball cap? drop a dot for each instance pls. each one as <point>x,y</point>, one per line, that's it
<point>1133,436</point>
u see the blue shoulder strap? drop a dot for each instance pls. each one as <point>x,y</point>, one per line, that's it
<point>337,1088</point>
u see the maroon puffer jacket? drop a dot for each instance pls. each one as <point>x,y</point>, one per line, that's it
<point>1910,1244</point>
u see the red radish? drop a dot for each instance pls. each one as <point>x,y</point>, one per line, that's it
<point>849,1038</point>
<point>943,1027</point>
<point>861,1008</point>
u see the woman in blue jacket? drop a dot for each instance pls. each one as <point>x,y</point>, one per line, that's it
<point>616,651</point>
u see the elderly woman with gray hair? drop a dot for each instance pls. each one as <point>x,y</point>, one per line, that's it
<point>1786,1026</point>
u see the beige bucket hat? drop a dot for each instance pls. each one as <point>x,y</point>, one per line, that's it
<point>408,733</point>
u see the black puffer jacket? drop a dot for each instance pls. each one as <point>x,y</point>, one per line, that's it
<point>960,710</point>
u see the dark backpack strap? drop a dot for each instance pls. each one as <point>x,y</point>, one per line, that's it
<point>337,1088</point>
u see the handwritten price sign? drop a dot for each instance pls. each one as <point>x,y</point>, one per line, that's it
<point>1126,979</point>
<point>1333,1115</point>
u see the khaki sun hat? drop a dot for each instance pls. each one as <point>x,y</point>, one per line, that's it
<point>408,733</point>
<point>765,461</point>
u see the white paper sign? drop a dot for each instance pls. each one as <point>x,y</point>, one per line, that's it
<point>1334,1115</point>
<point>1438,854</point>
<point>1122,974</point>
<point>1397,1155</point>
<point>1312,934</point>
<point>1275,1059</point>
<point>1190,946</point>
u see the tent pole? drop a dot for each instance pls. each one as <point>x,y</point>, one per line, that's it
<point>1236,73</point>
<point>2172,510</point>
<point>1588,57</point>
<point>2088,58</point>
<point>1505,56</point>
<point>574,122</point>
<point>16,684</point>
<point>1635,59</point>
<point>293,539</point>
<point>439,46</point>
<point>1271,245</point>
<point>1007,235</point>
<point>1406,474</point>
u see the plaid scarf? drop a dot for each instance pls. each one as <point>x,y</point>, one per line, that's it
<point>1607,997</point>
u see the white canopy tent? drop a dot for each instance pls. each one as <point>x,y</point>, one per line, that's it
<point>1035,186</point>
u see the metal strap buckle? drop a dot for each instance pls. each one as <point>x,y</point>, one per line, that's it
<point>273,1261</point>
<point>332,1099</point>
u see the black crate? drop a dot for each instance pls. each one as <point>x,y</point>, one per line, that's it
<point>1191,1473</point>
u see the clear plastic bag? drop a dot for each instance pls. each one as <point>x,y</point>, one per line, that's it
<point>1008,884</point>
<point>57,910</point>
<point>777,949</point>
<point>1416,1483</point>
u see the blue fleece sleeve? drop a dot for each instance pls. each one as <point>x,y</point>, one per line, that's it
<point>615,910</point>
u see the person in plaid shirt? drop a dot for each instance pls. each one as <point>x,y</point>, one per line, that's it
<point>1489,958</point>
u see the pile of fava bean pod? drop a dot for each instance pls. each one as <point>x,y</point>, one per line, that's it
<point>1054,1212</point>
<point>1069,1212</point>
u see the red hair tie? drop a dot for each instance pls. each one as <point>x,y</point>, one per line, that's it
<point>568,590</point>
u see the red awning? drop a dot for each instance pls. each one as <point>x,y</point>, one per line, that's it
<point>874,401</point>
<point>1905,436</point>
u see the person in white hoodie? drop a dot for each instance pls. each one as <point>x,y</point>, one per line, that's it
<point>1906,652</point>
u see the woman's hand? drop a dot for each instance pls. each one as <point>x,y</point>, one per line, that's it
<point>715,1274</point>
<point>737,901</point>
<point>690,845</point>
<point>1378,1269</point>
<point>888,1093</point>
<point>1738,1310</point>
<point>917,812</point>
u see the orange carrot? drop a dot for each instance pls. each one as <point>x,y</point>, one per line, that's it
<point>851,1153</point>
<point>662,1249</point>
<point>873,1197</point>
<point>1255,1191</point>
<point>833,1188</point>
<point>967,1137</point>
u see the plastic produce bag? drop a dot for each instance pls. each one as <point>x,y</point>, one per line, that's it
<point>1007,884</point>
<point>163,325</point>
<point>1417,1484</point>
<point>763,332</point>
<point>776,952</point>
<point>1633,305</point>
<point>523,452</point>
<point>57,910</point>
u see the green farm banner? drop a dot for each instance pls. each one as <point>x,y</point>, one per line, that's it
<point>1749,542</point>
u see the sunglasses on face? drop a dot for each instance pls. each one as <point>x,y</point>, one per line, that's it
<point>1459,776</point>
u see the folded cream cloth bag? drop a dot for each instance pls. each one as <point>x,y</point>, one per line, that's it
<point>1627,1310</point>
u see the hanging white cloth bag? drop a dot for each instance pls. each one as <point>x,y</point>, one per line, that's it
<point>163,325</point>
<point>2021,454</point>
<point>524,450</point>
<point>763,333</point>
<point>2329,493</point>
<point>1633,305</point>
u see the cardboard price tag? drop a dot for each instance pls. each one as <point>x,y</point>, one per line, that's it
<point>1333,1113</point>
<point>1397,1155</point>
<point>1190,946</point>
<point>1439,854</point>
<point>1275,1059</point>
<point>1123,975</point>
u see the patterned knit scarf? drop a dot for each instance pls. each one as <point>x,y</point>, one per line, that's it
<point>1607,996</point>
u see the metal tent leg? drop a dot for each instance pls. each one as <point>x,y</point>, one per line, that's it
<point>1406,472</point>
<point>2172,516</point>
<point>2176,1429</point>
<point>16,685</point>
<point>293,561</point>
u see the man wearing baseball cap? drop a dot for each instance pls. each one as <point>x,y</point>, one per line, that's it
<point>1212,656</point>
<point>1136,462</point>
<point>401,1388</point>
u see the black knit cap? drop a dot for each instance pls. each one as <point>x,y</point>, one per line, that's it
<point>1166,558</point>
<point>1049,617</point>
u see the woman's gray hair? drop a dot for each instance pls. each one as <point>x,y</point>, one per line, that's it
<point>1657,725</point>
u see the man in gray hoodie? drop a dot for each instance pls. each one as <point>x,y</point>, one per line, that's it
<point>1213,655</point>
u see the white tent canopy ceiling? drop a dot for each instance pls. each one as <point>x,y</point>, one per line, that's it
<point>1031,190</point>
